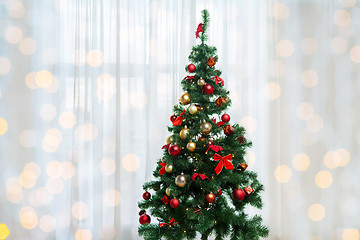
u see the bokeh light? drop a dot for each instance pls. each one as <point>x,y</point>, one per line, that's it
<point>344,156</point>
<point>309,46</point>
<point>43,196</point>
<point>67,119</point>
<point>342,18</point>
<point>68,170</point>
<point>27,138</point>
<point>355,54</point>
<point>315,123</point>
<point>304,111</point>
<point>30,80</point>
<point>332,159</point>
<point>348,3</point>
<point>316,212</point>
<point>86,132</point>
<point>34,168</point>
<point>351,234</point>
<point>280,11</point>
<point>112,197</point>
<point>107,232</point>
<point>28,218</point>
<point>43,78</point>
<point>301,162</point>
<point>51,140</point>
<point>309,78</point>
<point>47,223</point>
<point>95,58</point>
<point>55,185</point>
<point>272,90</point>
<point>80,210</point>
<point>285,48</point>
<point>249,123</point>
<point>83,234</point>
<point>107,166</point>
<point>48,112</point>
<point>105,87</point>
<point>4,231</point>
<point>13,35</point>
<point>54,169</point>
<point>5,66</point>
<point>27,46</point>
<point>250,158</point>
<point>27,179</point>
<point>3,126</point>
<point>130,162</point>
<point>14,192</point>
<point>323,179</point>
<point>282,174</point>
<point>16,9</point>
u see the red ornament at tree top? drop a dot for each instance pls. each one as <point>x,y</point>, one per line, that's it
<point>144,219</point>
<point>225,118</point>
<point>208,89</point>
<point>191,68</point>
<point>238,194</point>
<point>174,150</point>
<point>174,203</point>
<point>146,195</point>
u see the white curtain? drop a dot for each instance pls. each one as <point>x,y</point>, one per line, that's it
<point>87,88</point>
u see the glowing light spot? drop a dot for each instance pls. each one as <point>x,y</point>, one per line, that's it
<point>43,196</point>
<point>249,123</point>
<point>86,132</point>
<point>341,18</point>
<point>55,185</point>
<point>309,46</point>
<point>280,11</point>
<point>14,191</point>
<point>345,157</point>
<point>351,234</point>
<point>348,3</point>
<point>67,119</point>
<point>285,48</point>
<point>107,166</point>
<point>272,91</point>
<point>316,212</point>
<point>95,58</point>
<point>301,162</point>
<point>4,231</point>
<point>27,138</point>
<point>16,9</point>
<point>282,173</point>
<point>105,87</point>
<point>27,179</point>
<point>323,179</point>
<point>53,87</point>
<point>3,126</point>
<point>304,111</point>
<point>28,218</point>
<point>338,45</point>
<point>27,46</point>
<point>332,159</point>
<point>276,69</point>
<point>47,223</point>
<point>13,35</point>
<point>107,232</point>
<point>43,78</point>
<point>80,57</point>
<point>30,80</point>
<point>112,197</point>
<point>48,112</point>
<point>68,170</point>
<point>315,123</point>
<point>355,54</point>
<point>250,158</point>
<point>130,162</point>
<point>51,140</point>
<point>5,66</point>
<point>79,210</point>
<point>83,234</point>
<point>54,169</point>
<point>309,78</point>
<point>34,168</point>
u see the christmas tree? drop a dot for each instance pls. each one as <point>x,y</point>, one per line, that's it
<point>203,184</point>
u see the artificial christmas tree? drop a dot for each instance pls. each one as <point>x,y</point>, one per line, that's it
<point>203,185</point>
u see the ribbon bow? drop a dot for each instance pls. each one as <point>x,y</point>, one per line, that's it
<point>219,123</point>
<point>189,77</point>
<point>178,120</point>
<point>166,146</point>
<point>202,176</point>
<point>199,30</point>
<point>214,148</point>
<point>162,170</point>
<point>223,162</point>
<point>171,223</point>
<point>218,80</point>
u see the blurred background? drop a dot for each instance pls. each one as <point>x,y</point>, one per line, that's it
<point>87,88</point>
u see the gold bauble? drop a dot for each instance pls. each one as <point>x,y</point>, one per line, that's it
<point>181,180</point>
<point>205,127</point>
<point>193,109</point>
<point>169,168</point>
<point>184,133</point>
<point>191,146</point>
<point>167,191</point>
<point>185,99</point>
<point>169,139</point>
<point>201,82</point>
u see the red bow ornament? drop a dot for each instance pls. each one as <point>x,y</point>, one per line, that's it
<point>171,223</point>
<point>178,120</point>
<point>223,162</point>
<point>219,123</point>
<point>202,176</point>
<point>162,170</point>
<point>218,80</point>
<point>199,30</point>
<point>188,78</point>
<point>214,148</point>
<point>166,146</point>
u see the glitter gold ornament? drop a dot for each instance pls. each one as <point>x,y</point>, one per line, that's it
<point>167,191</point>
<point>210,197</point>
<point>191,146</point>
<point>185,99</point>
<point>184,133</point>
<point>181,180</point>
<point>169,139</point>
<point>193,109</point>
<point>201,82</point>
<point>169,168</point>
<point>205,127</point>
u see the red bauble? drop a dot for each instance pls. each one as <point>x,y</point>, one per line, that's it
<point>238,194</point>
<point>144,219</point>
<point>225,118</point>
<point>166,199</point>
<point>219,192</point>
<point>174,203</point>
<point>146,195</point>
<point>210,197</point>
<point>191,68</point>
<point>174,150</point>
<point>172,118</point>
<point>208,89</point>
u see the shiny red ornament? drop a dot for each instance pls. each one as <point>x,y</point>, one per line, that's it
<point>146,195</point>
<point>191,68</point>
<point>228,130</point>
<point>219,192</point>
<point>238,194</point>
<point>172,118</point>
<point>208,89</point>
<point>210,197</point>
<point>166,199</point>
<point>225,118</point>
<point>211,61</point>
<point>174,150</point>
<point>174,203</point>
<point>249,190</point>
<point>144,219</point>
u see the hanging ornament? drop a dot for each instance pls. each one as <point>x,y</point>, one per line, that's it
<point>144,219</point>
<point>162,170</point>
<point>166,199</point>
<point>219,192</point>
<point>200,108</point>
<point>248,190</point>
<point>174,203</point>
<point>167,191</point>
<point>192,109</point>
<point>169,168</point>
<point>201,82</point>
<point>181,180</point>
<point>174,150</point>
<point>191,68</point>
<point>199,30</point>
<point>184,133</point>
<point>213,147</point>
<point>210,197</point>
<point>228,130</point>
<point>208,89</point>
<point>171,223</point>
<point>205,127</point>
<point>169,139</point>
<point>218,80</point>
<point>185,99</point>
<point>221,101</point>
<point>243,166</point>
<point>199,175</point>
<point>225,118</point>
<point>173,117</point>
<point>211,61</point>
<point>191,146</point>
<point>238,194</point>
<point>223,162</point>
<point>146,195</point>
<point>202,141</point>
<point>179,119</point>
<point>241,139</point>
<point>189,78</point>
